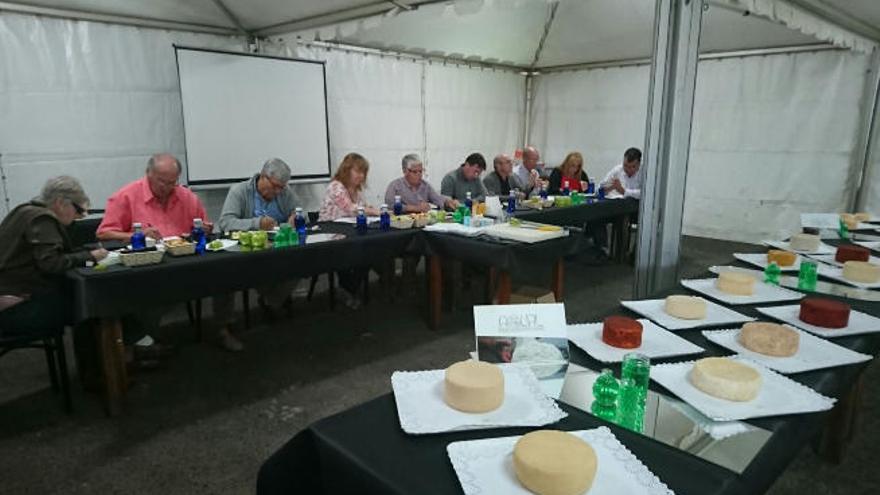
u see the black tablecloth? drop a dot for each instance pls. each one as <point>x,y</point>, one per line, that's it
<point>119,289</point>
<point>363,450</point>
<point>584,213</point>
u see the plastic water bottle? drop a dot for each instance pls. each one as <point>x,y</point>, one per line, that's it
<point>385,218</point>
<point>591,187</point>
<point>138,239</point>
<point>198,236</point>
<point>543,192</point>
<point>566,189</point>
<point>511,202</point>
<point>299,223</point>
<point>468,202</point>
<point>601,193</point>
<point>361,221</point>
<point>398,206</point>
<point>605,391</point>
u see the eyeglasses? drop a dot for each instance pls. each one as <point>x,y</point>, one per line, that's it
<point>78,209</point>
<point>413,171</point>
<point>276,185</point>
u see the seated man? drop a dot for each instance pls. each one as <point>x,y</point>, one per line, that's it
<point>259,203</point>
<point>163,208</point>
<point>502,180</point>
<point>528,171</point>
<point>416,194</point>
<point>624,181</point>
<point>466,179</point>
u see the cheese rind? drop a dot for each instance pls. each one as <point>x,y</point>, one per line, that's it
<point>825,313</point>
<point>549,462</point>
<point>782,258</point>
<point>473,386</point>
<point>686,307</point>
<point>622,332</point>
<point>726,379</point>
<point>861,271</point>
<point>739,284</point>
<point>770,339</point>
<point>804,242</point>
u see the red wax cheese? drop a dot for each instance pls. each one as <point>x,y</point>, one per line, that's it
<point>851,252</point>
<point>623,332</point>
<point>824,312</point>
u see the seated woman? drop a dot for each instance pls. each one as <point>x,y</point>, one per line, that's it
<point>34,256</point>
<point>343,197</point>
<point>570,173</point>
<point>344,192</point>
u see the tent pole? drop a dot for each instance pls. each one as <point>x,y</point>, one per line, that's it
<point>677,25</point>
<point>864,159</point>
<point>527,122</point>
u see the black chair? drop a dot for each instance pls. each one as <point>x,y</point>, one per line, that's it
<point>52,342</point>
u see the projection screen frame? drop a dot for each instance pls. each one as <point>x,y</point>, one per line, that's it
<point>295,179</point>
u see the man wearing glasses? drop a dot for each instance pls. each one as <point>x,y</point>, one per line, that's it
<point>416,194</point>
<point>156,201</point>
<point>259,203</point>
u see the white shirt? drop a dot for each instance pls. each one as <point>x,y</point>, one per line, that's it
<point>631,185</point>
<point>523,173</point>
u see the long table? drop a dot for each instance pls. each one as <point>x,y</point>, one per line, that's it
<point>341,454</point>
<point>107,295</point>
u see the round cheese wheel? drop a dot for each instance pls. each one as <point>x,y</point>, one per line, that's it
<point>804,242</point>
<point>726,379</point>
<point>850,220</point>
<point>862,216</point>
<point>686,307</point>
<point>851,252</point>
<point>549,462</point>
<point>861,271</point>
<point>474,386</point>
<point>782,258</point>
<point>739,284</point>
<point>824,312</point>
<point>770,339</point>
<point>623,332</point>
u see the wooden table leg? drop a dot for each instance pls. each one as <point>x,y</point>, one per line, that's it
<point>111,354</point>
<point>558,279</point>
<point>504,287</point>
<point>435,291</point>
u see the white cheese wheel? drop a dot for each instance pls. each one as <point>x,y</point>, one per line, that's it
<point>740,284</point>
<point>804,242</point>
<point>474,386</point>
<point>770,339</point>
<point>861,271</point>
<point>686,307</point>
<point>550,462</point>
<point>726,379</point>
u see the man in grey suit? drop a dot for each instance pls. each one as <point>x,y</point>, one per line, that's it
<point>503,180</point>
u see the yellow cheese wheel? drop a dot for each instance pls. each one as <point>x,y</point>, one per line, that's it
<point>549,462</point>
<point>474,386</point>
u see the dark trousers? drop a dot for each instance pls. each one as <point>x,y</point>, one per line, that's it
<point>49,311</point>
<point>352,279</point>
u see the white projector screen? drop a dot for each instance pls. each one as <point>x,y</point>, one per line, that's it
<point>241,109</point>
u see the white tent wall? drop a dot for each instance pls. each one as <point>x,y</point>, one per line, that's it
<point>773,136</point>
<point>87,99</point>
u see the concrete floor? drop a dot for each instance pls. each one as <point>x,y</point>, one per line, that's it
<point>205,421</point>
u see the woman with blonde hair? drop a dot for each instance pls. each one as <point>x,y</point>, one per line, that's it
<point>570,174</point>
<point>344,194</point>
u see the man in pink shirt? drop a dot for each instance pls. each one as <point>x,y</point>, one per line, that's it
<point>156,201</point>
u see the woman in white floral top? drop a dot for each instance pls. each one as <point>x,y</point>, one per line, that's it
<point>344,192</point>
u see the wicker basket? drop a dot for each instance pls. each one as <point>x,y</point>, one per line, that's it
<point>140,258</point>
<point>421,221</point>
<point>181,249</point>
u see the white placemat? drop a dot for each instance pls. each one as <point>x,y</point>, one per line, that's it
<point>485,467</point>
<point>760,260</point>
<point>764,293</point>
<point>872,245</point>
<point>858,322</point>
<point>829,259</point>
<point>656,342</point>
<point>836,273</point>
<point>323,237</point>
<point>778,395</point>
<point>715,315</point>
<point>786,246</point>
<point>421,408</point>
<point>455,228</point>
<point>225,244</point>
<point>813,353</point>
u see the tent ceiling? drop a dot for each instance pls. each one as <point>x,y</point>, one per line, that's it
<point>505,31</point>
